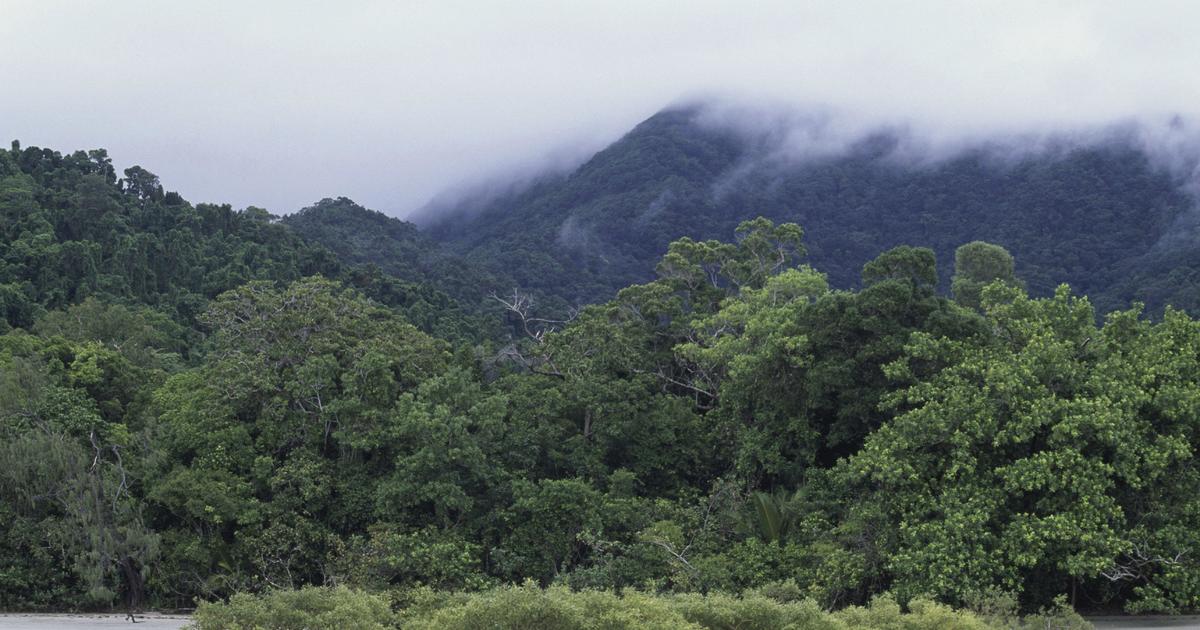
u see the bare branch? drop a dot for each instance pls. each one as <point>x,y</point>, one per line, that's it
<point>521,305</point>
<point>1137,564</point>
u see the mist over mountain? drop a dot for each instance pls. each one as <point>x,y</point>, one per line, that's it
<point>1109,210</point>
<point>451,315</point>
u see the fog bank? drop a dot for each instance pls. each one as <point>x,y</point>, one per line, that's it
<point>279,104</point>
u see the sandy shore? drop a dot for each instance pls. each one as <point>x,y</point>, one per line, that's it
<point>149,621</point>
<point>1189,622</point>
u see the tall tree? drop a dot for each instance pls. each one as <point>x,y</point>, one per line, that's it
<point>976,265</point>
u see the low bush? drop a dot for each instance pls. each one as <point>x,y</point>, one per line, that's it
<point>557,608</point>
<point>309,608</point>
<point>529,607</point>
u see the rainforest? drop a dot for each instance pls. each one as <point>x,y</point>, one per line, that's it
<point>201,405</point>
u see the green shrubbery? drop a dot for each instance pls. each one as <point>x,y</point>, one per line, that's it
<point>529,607</point>
<point>310,608</point>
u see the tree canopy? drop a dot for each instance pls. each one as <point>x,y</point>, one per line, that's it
<point>197,402</point>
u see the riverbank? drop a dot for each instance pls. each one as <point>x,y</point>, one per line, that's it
<point>80,621</point>
<point>1188,622</point>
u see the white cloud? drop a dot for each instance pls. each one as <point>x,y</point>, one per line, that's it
<point>280,103</point>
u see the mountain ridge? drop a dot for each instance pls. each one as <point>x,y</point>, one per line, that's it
<point>1091,214</point>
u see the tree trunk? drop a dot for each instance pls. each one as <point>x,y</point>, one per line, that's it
<point>134,585</point>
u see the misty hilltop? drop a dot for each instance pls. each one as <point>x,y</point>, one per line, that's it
<point>1112,212</point>
<point>451,315</point>
<point>1108,212</point>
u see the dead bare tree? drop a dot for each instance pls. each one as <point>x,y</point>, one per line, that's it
<point>723,499</point>
<point>520,306</point>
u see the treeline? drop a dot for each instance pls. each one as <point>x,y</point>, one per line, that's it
<point>735,424</point>
<point>70,229</point>
<point>359,236</point>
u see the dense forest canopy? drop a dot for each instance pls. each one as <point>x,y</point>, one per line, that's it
<point>197,401</point>
<point>73,229</point>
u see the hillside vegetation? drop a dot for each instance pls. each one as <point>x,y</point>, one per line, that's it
<point>1099,215</point>
<point>197,402</point>
<point>71,229</point>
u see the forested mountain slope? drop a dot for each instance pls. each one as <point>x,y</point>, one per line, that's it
<point>71,229</point>
<point>360,236</point>
<point>197,402</point>
<point>1098,215</point>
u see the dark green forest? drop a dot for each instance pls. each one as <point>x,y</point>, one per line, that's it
<point>198,402</point>
<point>1101,215</point>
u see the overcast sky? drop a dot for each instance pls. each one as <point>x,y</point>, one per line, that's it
<point>280,103</point>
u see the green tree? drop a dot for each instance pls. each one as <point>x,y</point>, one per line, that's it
<point>272,447</point>
<point>976,265</point>
<point>1008,467</point>
<point>65,473</point>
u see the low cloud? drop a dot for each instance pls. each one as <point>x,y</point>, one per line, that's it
<point>278,104</point>
<point>779,135</point>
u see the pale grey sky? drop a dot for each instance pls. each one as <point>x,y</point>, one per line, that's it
<point>280,103</point>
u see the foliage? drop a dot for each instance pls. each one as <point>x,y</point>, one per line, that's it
<point>71,229</point>
<point>557,608</point>
<point>359,236</point>
<point>733,442</point>
<point>1101,217</point>
<point>977,265</point>
<point>1016,462</point>
<point>310,608</point>
<point>530,607</point>
<point>65,480</point>
<point>298,391</point>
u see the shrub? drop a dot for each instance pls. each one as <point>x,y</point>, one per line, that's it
<point>780,607</point>
<point>719,611</point>
<point>884,614</point>
<point>530,608</point>
<point>310,608</point>
<point>389,557</point>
